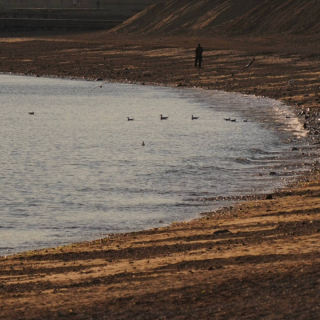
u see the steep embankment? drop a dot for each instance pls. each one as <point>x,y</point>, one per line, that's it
<point>205,17</point>
<point>279,16</point>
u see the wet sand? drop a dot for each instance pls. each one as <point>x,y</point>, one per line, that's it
<point>259,259</point>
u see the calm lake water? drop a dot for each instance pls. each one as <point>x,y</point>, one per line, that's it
<point>76,169</point>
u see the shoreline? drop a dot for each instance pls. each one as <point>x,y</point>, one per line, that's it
<point>176,263</point>
<point>229,201</point>
<point>212,266</point>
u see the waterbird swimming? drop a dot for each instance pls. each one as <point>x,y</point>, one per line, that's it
<point>163,118</point>
<point>99,86</point>
<point>143,144</point>
<point>130,119</point>
<point>31,112</point>
<point>227,119</point>
<point>245,120</point>
<point>194,118</point>
<point>233,120</point>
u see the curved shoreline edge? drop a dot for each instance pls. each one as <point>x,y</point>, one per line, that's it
<point>229,202</point>
<point>234,263</point>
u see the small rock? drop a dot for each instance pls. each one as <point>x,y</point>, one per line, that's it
<point>269,197</point>
<point>294,149</point>
<point>272,173</point>
<point>210,268</point>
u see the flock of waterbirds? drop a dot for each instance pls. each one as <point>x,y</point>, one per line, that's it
<point>290,82</point>
<point>166,118</point>
<point>234,120</point>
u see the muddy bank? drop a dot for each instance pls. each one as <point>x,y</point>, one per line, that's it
<point>258,259</point>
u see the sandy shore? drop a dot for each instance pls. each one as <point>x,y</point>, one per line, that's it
<point>259,259</point>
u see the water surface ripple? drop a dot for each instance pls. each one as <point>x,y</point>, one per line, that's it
<point>76,169</point>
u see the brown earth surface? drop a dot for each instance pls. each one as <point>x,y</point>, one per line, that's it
<point>227,17</point>
<point>259,260</point>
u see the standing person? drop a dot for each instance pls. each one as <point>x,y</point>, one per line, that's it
<point>75,3</point>
<point>199,51</point>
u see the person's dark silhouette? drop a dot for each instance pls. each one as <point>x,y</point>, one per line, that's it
<point>199,51</point>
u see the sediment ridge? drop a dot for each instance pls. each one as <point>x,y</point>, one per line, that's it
<point>227,17</point>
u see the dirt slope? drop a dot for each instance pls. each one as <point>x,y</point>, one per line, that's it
<point>275,16</point>
<point>205,17</point>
